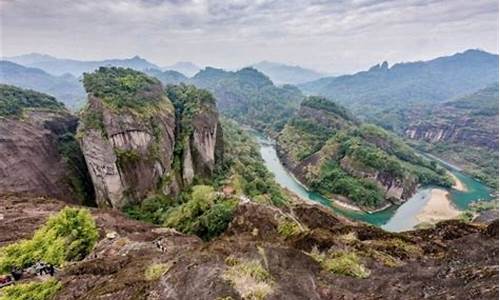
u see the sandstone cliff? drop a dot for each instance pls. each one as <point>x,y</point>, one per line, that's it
<point>138,143</point>
<point>38,154</point>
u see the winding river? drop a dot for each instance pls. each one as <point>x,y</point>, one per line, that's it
<point>395,218</point>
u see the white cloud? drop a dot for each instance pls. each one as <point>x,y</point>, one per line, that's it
<point>336,36</point>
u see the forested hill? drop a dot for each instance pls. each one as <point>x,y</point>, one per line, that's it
<point>250,97</point>
<point>332,153</point>
<point>391,88</point>
<point>66,88</point>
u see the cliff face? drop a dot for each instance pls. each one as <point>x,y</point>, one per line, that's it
<point>38,154</point>
<point>129,155</point>
<point>471,120</point>
<point>332,153</point>
<point>138,143</point>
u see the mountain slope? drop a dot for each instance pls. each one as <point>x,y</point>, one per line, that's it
<point>250,97</point>
<point>66,88</point>
<point>332,153</point>
<point>167,76</point>
<point>58,66</point>
<point>382,88</point>
<point>285,74</point>
<point>463,131</point>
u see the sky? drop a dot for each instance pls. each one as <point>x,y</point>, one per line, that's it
<point>330,36</point>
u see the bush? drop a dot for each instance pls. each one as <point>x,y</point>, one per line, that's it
<point>202,214</point>
<point>69,235</point>
<point>44,290</point>
<point>151,210</point>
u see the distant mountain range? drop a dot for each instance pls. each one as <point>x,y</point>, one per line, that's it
<point>383,88</point>
<point>66,88</point>
<point>58,66</point>
<point>286,74</point>
<point>185,67</point>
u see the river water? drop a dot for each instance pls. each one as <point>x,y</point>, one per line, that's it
<point>395,218</point>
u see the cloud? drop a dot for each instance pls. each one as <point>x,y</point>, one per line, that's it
<point>336,36</point>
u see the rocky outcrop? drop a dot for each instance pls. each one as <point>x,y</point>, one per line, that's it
<point>138,142</point>
<point>454,259</point>
<point>128,154</point>
<point>39,157</point>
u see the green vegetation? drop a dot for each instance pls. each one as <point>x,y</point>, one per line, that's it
<point>289,228</point>
<point>244,169</point>
<point>69,235</point>
<point>202,211</point>
<point>123,88</point>
<point>151,210</point>
<point>479,162</point>
<point>188,102</point>
<point>44,290</point>
<point>400,87</point>
<point>249,97</point>
<point>322,103</point>
<point>477,208</point>
<point>250,279</point>
<point>126,157</point>
<point>203,214</point>
<point>341,155</point>
<point>13,100</point>
<point>341,262</point>
<point>156,271</point>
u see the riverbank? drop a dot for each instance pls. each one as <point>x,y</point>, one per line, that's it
<point>438,208</point>
<point>457,183</point>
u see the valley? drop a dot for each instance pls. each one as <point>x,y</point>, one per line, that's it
<point>241,184</point>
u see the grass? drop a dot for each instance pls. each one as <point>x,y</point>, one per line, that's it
<point>398,247</point>
<point>156,270</point>
<point>249,278</point>
<point>288,228</point>
<point>31,291</point>
<point>341,263</point>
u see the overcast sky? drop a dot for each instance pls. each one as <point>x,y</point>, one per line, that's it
<point>333,36</point>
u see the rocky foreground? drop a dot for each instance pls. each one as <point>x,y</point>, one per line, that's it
<point>269,253</point>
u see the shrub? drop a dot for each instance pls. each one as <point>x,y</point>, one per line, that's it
<point>151,210</point>
<point>69,235</point>
<point>202,214</point>
<point>31,291</point>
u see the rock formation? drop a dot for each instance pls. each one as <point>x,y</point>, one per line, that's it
<point>38,154</point>
<point>137,143</point>
<point>324,144</point>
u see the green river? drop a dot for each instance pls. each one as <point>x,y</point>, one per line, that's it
<point>395,218</point>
